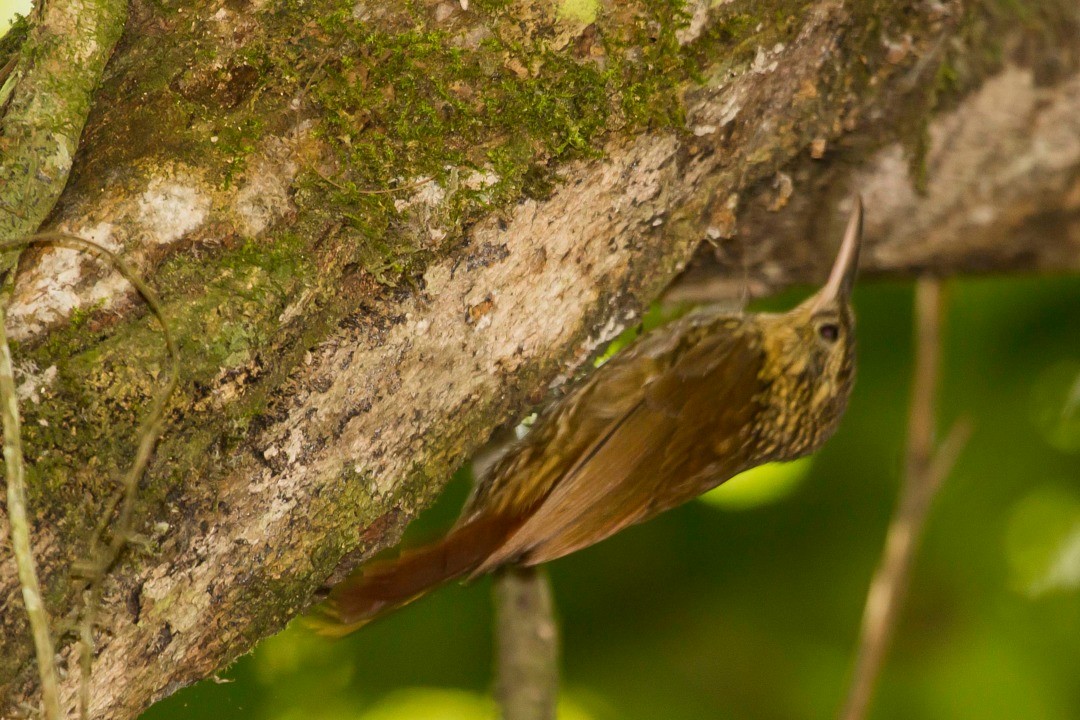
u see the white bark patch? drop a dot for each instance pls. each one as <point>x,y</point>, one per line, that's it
<point>1005,141</point>
<point>104,235</point>
<point>33,380</point>
<point>699,18</point>
<point>263,199</point>
<point>428,193</point>
<point>169,209</point>
<point>50,291</point>
<point>61,157</point>
<point>766,59</point>
<point>50,295</point>
<point>295,445</point>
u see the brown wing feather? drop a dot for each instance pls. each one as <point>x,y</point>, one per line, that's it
<point>616,482</point>
<point>572,428</point>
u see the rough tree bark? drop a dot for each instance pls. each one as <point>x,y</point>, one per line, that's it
<point>381,233</point>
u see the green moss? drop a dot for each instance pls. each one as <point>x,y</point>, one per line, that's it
<point>583,11</point>
<point>399,104</point>
<point>226,324</point>
<point>12,40</point>
<point>652,66</point>
<point>406,105</point>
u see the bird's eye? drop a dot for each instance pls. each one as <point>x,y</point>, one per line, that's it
<point>829,332</point>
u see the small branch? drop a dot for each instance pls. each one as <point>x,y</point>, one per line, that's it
<point>924,472</point>
<point>527,645</point>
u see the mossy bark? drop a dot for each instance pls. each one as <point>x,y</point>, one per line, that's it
<point>44,104</point>
<point>379,234</point>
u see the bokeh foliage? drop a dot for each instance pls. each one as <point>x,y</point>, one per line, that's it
<point>748,608</point>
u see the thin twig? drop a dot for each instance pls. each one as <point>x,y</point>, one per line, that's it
<point>400,188</point>
<point>924,472</point>
<point>527,645</point>
<point>102,558</point>
<point>382,191</point>
<point>18,518</point>
<point>5,72</point>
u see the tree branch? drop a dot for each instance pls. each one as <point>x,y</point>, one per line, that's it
<point>925,470</point>
<point>527,645</point>
<point>345,351</point>
<point>52,85</point>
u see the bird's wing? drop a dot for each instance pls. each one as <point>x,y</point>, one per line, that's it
<point>677,436</point>
<point>573,427</point>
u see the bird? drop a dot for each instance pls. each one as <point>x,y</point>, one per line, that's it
<point>682,409</point>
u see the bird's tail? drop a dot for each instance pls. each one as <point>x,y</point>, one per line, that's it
<point>381,587</point>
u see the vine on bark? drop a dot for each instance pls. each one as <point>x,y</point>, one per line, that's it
<point>102,554</point>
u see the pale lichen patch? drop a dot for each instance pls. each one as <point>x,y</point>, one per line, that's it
<point>61,156</point>
<point>104,234</point>
<point>171,208</point>
<point>50,295</point>
<point>699,19</point>
<point>428,193</point>
<point>295,445</point>
<point>33,380</point>
<point>765,61</point>
<point>263,198</point>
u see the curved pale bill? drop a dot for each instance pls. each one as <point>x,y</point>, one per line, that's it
<point>842,276</point>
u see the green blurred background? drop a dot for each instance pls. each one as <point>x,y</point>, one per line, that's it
<point>8,10</point>
<point>747,604</point>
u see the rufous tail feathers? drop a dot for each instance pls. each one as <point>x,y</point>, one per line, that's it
<point>384,586</point>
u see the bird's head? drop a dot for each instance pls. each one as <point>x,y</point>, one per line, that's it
<point>810,351</point>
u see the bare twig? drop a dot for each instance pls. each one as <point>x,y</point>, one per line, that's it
<point>924,472</point>
<point>527,645</point>
<point>102,558</point>
<point>400,188</point>
<point>18,517</point>
<point>5,73</point>
<point>382,191</point>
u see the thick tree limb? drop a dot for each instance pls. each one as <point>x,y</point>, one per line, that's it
<point>1002,195</point>
<point>345,351</point>
<point>47,99</point>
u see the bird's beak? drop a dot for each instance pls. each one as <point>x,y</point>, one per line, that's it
<point>842,276</point>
